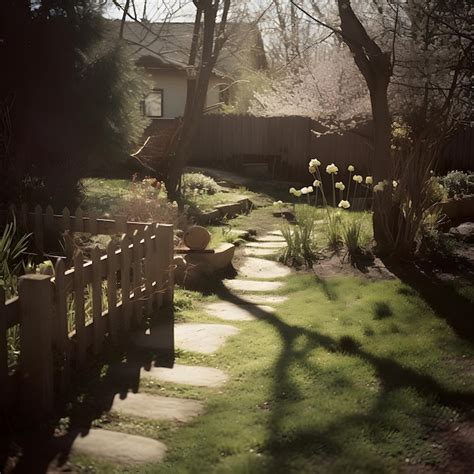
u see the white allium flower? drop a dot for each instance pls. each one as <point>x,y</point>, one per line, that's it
<point>278,203</point>
<point>310,189</point>
<point>304,190</point>
<point>351,168</point>
<point>316,183</point>
<point>357,178</point>
<point>292,190</point>
<point>339,185</point>
<point>379,186</point>
<point>369,180</point>
<point>313,165</point>
<point>332,169</point>
<point>394,184</point>
<point>297,193</point>
<point>344,204</point>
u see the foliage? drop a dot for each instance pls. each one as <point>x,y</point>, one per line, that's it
<point>12,251</point>
<point>351,235</point>
<point>299,238</point>
<point>458,183</point>
<point>198,183</point>
<point>73,100</point>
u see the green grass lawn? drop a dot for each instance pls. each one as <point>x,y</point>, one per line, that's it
<point>349,375</point>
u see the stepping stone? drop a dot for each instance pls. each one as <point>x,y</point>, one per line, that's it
<point>259,268</point>
<point>266,245</point>
<point>235,312</point>
<point>270,238</point>
<point>119,448</point>
<point>262,299</point>
<point>252,285</point>
<point>276,232</point>
<point>179,374</point>
<point>259,252</point>
<point>187,375</point>
<point>154,407</point>
<point>203,338</point>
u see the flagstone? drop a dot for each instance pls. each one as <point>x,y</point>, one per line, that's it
<point>119,448</point>
<point>259,268</point>
<point>262,299</point>
<point>195,375</point>
<point>260,252</point>
<point>203,338</point>
<point>266,245</point>
<point>229,311</point>
<point>270,238</point>
<point>154,407</point>
<point>252,285</point>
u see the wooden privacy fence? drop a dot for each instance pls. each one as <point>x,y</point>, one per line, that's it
<point>290,143</point>
<point>57,322</point>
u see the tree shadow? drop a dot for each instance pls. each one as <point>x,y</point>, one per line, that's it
<point>441,296</point>
<point>38,447</point>
<point>392,377</point>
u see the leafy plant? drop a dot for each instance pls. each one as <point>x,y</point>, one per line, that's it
<point>12,250</point>
<point>198,183</point>
<point>299,238</point>
<point>458,183</point>
<point>351,235</point>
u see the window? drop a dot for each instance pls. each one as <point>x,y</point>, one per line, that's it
<point>153,104</point>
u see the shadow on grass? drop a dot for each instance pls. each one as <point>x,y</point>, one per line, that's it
<point>92,394</point>
<point>283,447</point>
<point>441,296</point>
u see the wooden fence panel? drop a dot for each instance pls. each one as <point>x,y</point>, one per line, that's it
<point>149,268</point>
<point>79,310</point>
<point>126,264</point>
<point>3,349</point>
<point>114,326</point>
<point>96,288</point>
<point>137,278</point>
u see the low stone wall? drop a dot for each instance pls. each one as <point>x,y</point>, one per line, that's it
<point>461,209</point>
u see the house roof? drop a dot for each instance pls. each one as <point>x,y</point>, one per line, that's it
<point>167,45</point>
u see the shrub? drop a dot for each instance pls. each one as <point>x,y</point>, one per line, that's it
<point>458,183</point>
<point>198,183</point>
<point>351,235</point>
<point>300,238</point>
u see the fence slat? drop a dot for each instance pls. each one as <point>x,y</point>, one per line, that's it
<point>66,220</point>
<point>24,217</point>
<point>112,292</point>
<point>137,278</point>
<point>99,329</point>
<point>80,316</point>
<point>92,225</point>
<point>36,354</point>
<point>3,349</point>
<point>166,244</point>
<point>38,226</point>
<point>79,221</point>
<point>126,263</point>
<point>148,269</point>
<point>61,330</point>
<point>49,220</point>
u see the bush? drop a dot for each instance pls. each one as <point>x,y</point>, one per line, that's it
<point>458,183</point>
<point>198,183</point>
<point>300,238</point>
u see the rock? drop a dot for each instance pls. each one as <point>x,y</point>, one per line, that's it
<point>266,245</point>
<point>236,312</point>
<point>119,448</point>
<point>197,238</point>
<point>464,231</point>
<point>203,338</point>
<point>259,268</point>
<point>271,238</point>
<point>229,210</point>
<point>187,375</point>
<point>252,285</point>
<point>259,252</point>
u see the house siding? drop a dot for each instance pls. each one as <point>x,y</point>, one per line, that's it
<point>173,84</point>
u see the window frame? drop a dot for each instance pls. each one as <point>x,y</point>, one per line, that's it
<point>154,90</point>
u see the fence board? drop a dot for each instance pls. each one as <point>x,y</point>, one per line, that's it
<point>96,287</point>
<point>39,230</point>
<point>112,266</point>
<point>3,349</point>
<point>61,331</point>
<point>148,268</point>
<point>80,317</point>
<point>126,263</point>
<point>79,221</point>
<point>137,278</point>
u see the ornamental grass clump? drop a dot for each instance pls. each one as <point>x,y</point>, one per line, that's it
<point>337,233</point>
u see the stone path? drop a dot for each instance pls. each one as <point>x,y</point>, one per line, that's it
<point>205,338</point>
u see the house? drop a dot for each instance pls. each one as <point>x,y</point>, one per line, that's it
<point>162,50</point>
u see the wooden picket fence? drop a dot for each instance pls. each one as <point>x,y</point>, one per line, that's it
<point>63,320</point>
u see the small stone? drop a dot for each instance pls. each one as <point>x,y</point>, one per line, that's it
<point>266,245</point>
<point>236,312</point>
<point>259,252</point>
<point>203,338</point>
<point>119,448</point>
<point>154,407</point>
<point>252,285</point>
<point>187,375</point>
<point>262,299</point>
<point>259,268</point>
<point>197,238</point>
<point>271,238</point>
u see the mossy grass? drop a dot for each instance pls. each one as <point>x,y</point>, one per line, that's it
<point>348,375</point>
